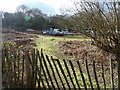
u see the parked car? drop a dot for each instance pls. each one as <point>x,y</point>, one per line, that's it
<point>45,31</point>
<point>53,33</point>
<point>68,33</point>
<point>30,30</point>
<point>57,32</point>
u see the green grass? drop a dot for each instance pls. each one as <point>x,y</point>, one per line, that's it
<point>49,43</point>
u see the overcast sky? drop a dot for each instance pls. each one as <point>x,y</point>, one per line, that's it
<point>10,5</point>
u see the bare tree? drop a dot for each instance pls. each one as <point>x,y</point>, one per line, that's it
<point>102,19</point>
<point>22,8</point>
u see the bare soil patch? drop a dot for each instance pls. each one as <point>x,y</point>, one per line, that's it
<point>20,38</point>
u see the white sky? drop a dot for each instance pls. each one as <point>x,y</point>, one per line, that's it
<point>10,5</point>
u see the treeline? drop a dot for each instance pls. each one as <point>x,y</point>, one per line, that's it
<point>25,17</point>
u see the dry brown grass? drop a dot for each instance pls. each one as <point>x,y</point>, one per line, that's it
<point>82,50</point>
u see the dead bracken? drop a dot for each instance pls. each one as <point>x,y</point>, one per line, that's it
<point>84,50</point>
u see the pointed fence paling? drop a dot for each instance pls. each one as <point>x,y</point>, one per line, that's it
<point>33,69</point>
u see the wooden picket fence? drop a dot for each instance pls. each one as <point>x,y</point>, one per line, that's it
<point>32,69</point>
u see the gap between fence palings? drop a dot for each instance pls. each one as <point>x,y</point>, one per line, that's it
<point>95,75</point>
<point>52,71</point>
<point>53,60</point>
<point>40,68</point>
<point>68,71</point>
<point>88,73</point>
<point>103,76</point>
<point>73,70</point>
<point>60,66</point>
<point>83,79</point>
<point>47,70</point>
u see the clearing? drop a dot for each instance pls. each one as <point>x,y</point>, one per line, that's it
<point>71,47</point>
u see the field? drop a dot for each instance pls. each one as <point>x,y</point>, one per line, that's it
<point>62,47</point>
<point>50,44</point>
<point>71,47</point>
<point>65,47</point>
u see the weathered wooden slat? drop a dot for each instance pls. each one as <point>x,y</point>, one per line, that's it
<point>83,79</point>
<point>35,66</point>
<point>11,70</point>
<point>60,66</point>
<point>66,66</point>
<point>32,68</point>
<point>88,73</point>
<point>52,71</point>
<point>18,64</point>
<point>37,69</point>
<point>45,76</point>
<point>42,69</point>
<point>111,75</point>
<point>7,68</point>
<point>96,79</point>
<point>102,68</point>
<point>23,58</point>
<point>44,61</point>
<point>74,74</point>
<point>15,70</point>
<point>58,73</point>
<point>3,64</point>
